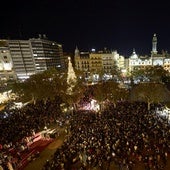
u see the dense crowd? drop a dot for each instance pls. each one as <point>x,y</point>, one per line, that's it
<point>18,126</point>
<point>126,136</point>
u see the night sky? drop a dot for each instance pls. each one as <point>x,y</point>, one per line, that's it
<point>118,24</point>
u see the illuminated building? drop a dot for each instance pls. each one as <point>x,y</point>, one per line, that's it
<point>136,62</point>
<point>139,62</point>
<point>95,63</point>
<point>6,65</point>
<point>23,61</point>
<point>47,54</point>
<point>154,45</point>
<point>27,57</point>
<point>82,60</point>
<point>92,63</point>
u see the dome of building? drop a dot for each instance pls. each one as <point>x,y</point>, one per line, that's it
<point>134,55</point>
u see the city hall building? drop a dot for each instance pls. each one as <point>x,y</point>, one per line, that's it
<point>92,63</point>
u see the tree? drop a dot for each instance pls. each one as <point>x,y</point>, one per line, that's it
<point>115,93</point>
<point>109,91</point>
<point>58,84</point>
<point>23,91</point>
<point>99,93</point>
<point>42,86</point>
<point>151,73</point>
<point>101,74</point>
<point>73,98</point>
<point>116,73</point>
<point>139,74</point>
<point>80,74</point>
<point>150,92</point>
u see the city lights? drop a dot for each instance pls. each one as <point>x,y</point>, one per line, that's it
<point>164,113</point>
<point>92,105</point>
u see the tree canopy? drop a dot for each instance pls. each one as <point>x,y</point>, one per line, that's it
<point>109,91</point>
<point>151,73</point>
<point>150,92</point>
<point>41,86</point>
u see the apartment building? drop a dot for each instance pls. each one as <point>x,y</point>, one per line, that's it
<point>27,57</point>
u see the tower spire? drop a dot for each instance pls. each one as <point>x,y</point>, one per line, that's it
<point>76,52</point>
<point>154,44</point>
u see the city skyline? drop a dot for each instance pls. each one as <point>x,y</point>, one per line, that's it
<point>116,25</point>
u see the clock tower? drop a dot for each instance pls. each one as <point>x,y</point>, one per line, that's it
<point>154,44</point>
<point>157,59</point>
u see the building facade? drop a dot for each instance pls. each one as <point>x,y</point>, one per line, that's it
<point>94,64</point>
<point>6,65</point>
<point>22,58</point>
<point>47,54</point>
<point>29,57</point>
<point>139,62</point>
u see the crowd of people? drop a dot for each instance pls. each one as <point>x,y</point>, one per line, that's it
<point>18,127</point>
<point>126,136</point>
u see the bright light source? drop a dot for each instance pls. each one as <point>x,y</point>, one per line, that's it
<point>164,113</point>
<point>93,105</point>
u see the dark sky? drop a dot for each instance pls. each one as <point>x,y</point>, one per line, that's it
<point>117,24</point>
